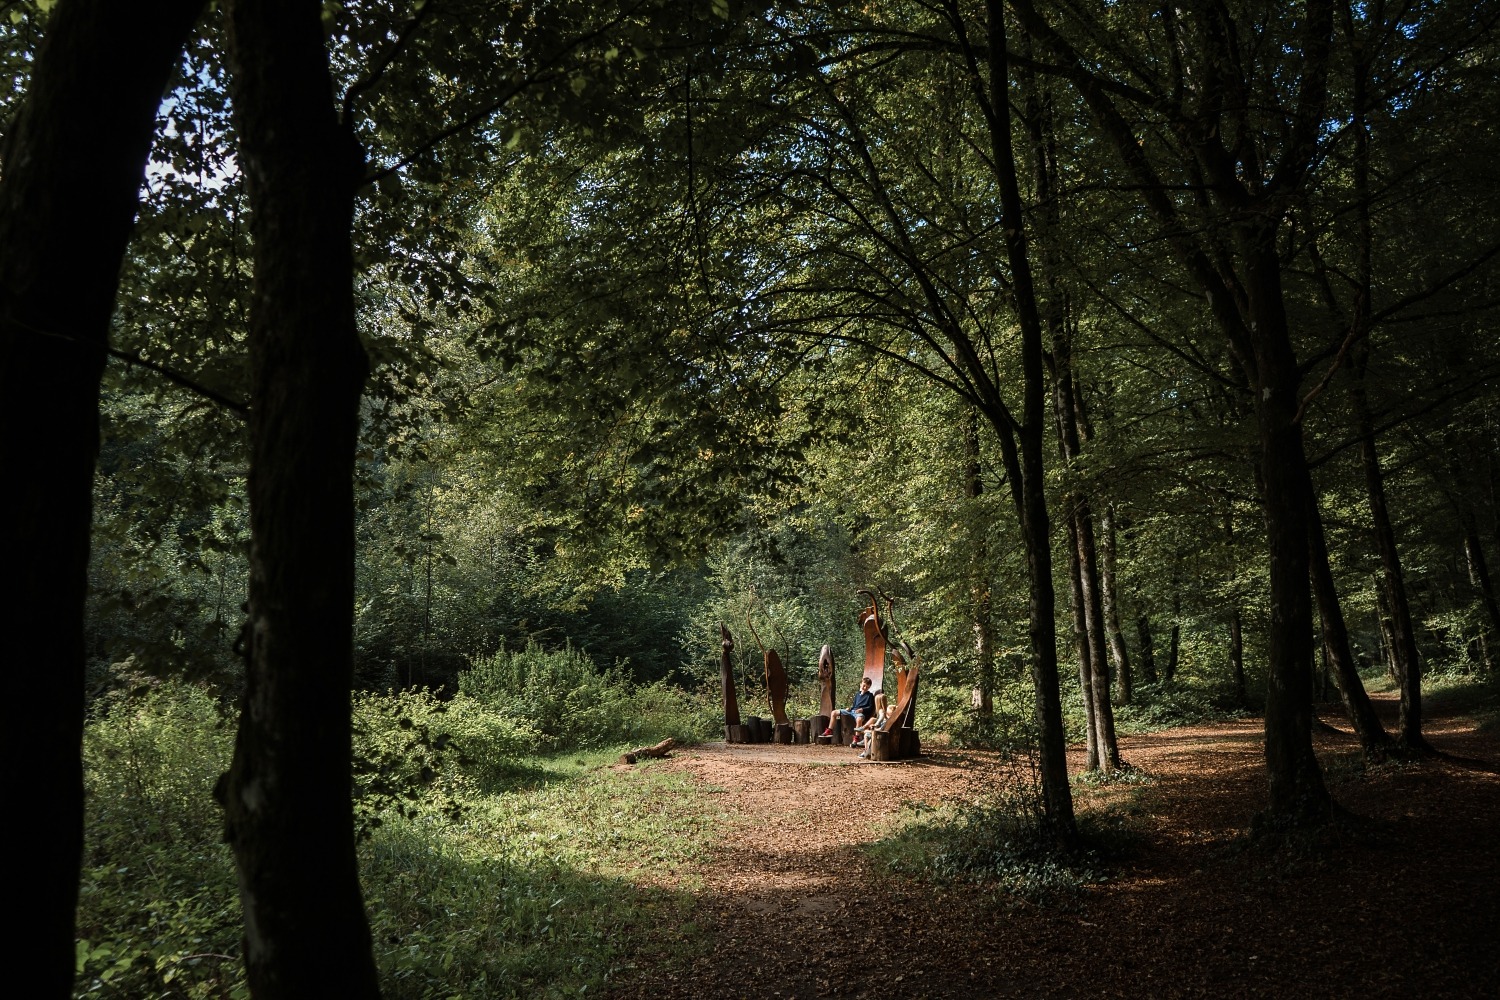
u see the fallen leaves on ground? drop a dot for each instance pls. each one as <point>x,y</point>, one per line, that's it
<point>1405,902</point>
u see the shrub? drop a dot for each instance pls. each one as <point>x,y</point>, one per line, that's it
<point>158,913</point>
<point>1162,706</point>
<point>152,754</point>
<point>570,702</point>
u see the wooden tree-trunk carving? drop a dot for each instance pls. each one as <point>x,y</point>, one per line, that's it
<point>726,679</point>
<point>826,678</point>
<point>875,642</point>
<point>776,683</point>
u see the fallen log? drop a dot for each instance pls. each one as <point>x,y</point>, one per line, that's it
<point>660,750</point>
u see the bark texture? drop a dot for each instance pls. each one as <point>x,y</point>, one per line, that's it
<point>73,161</point>
<point>1076,605</point>
<point>287,797</point>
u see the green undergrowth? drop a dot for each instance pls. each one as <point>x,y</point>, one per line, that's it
<point>1476,696</point>
<point>541,891</point>
<point>1187,702</point>
<point>488,869</point>
<point>567,701</point>
<point>998,847</point>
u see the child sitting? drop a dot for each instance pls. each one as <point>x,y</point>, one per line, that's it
<point>864,738</point>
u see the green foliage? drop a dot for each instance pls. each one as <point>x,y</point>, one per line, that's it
<point>570,702</point>
<point>1475,696</point>
<point>399,754</point>
<point>535,893</point>
<point>999,844</point>
<point>1010,728</point>
<point>158,915</point>
<point>539,887</point>
<point>1184,703</point>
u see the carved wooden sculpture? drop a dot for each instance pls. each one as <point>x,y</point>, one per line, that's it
<point>906,678</point>
<point>875,642</point>
<point>726,678</point>
<point>826,699</point>
<point>897,738</point>
<point>776,683</point>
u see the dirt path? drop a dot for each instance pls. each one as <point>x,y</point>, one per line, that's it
<point>1409,907</point>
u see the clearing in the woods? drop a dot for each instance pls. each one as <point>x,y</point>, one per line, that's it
<point>1406,901</point>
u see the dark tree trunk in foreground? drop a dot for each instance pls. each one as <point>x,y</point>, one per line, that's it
<point>287,797</point>
<point>73,161</point>
<point>1298,796</point>
<point>1372,735</point>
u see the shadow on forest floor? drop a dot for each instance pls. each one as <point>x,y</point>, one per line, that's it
<point>1403,901</point>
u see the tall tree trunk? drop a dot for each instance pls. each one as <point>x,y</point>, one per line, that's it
<point>287,796</point>
<point>1174,637</point>
<point>1479,576</point>
<point>979,572</point>
<point>1237,656</point>
<point>73,161</point>
<point>1088,563</point>
<point>1408,667</point>
<point>1057,794</point>
<point>1148,651</point>
<point>1118,652</point>
<point>1403,635</point>
<point>1069,419</point>
<point>1298,796</point>
<point>1077,606</point>
<point>1240,278</point>
<point>1372,735</point>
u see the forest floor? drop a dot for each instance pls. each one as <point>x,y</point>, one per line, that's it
<point>1404,901</point>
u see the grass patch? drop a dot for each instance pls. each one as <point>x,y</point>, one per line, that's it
<point>997,846</point>
<point>1474,695</point>
<point>541,892</point>
<point>555,873</point>
<point>1120,776</point>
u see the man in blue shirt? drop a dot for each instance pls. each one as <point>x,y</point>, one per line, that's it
<point>862,708</point>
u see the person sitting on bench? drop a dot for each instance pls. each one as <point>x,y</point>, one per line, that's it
<point>864,733</point>
<point>862,708</point>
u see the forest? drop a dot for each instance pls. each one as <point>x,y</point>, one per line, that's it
<point>398,396</point>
